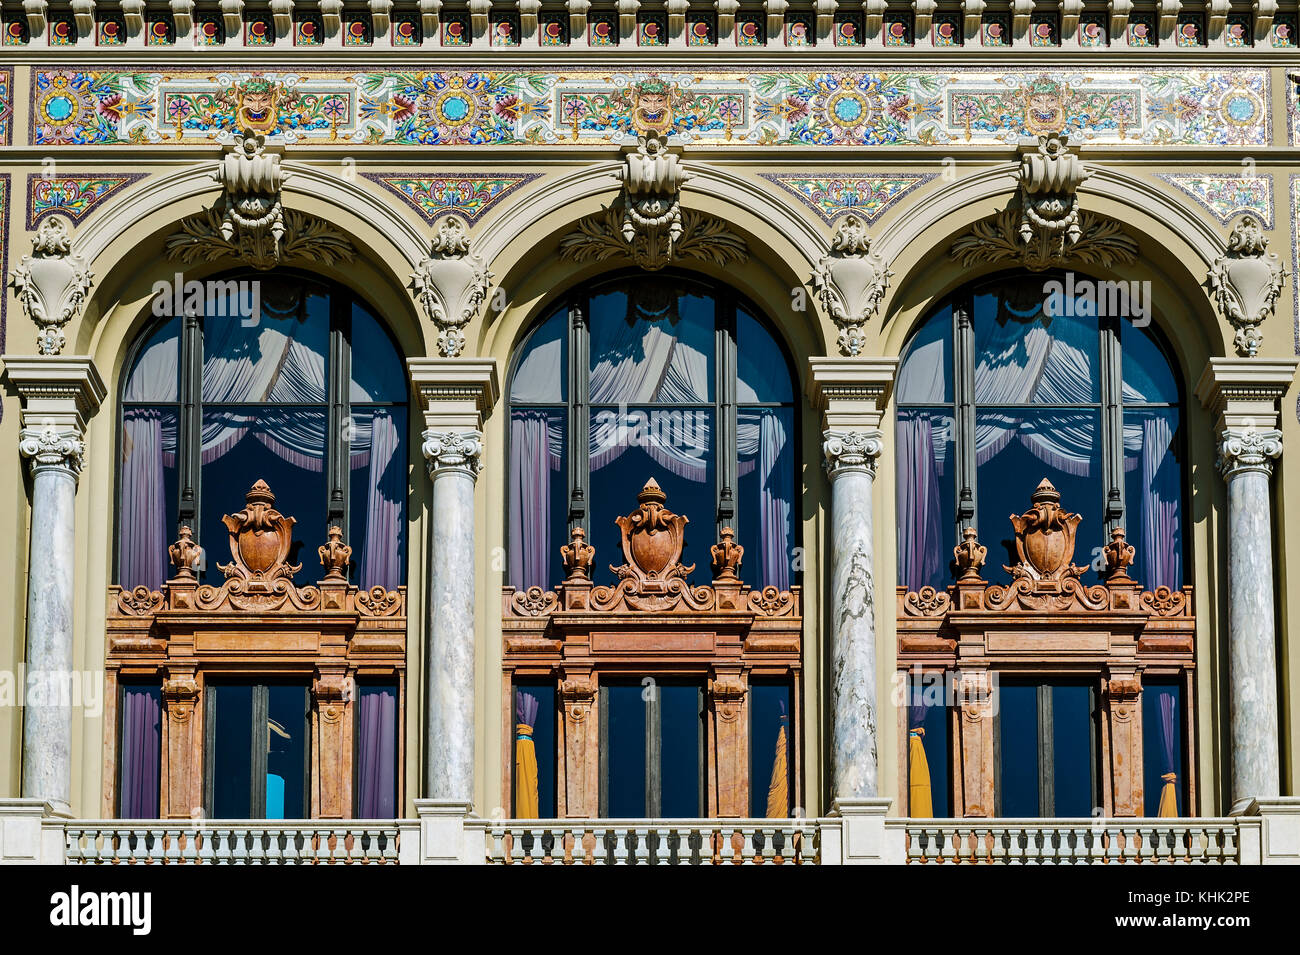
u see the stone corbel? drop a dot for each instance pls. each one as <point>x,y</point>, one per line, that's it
<point>83,11</point>
<point>1169,10</point>
<point>1119,11</point>
<point>726,17</point>
<point>1124,714</point>
<point>331,700</point>
<point>331,12</point>
<point>35,11</point>
<point>727,693</point>
<point>975,743</point>
<point>232,16</point>
<point>1216,18</point>
<point>1245,282</point>
<point>1071,10</point>
<point>825,10</point>
<point>282,16</point>
<point>627,18</point>
<point>1021,10</point>
<point>182,746</point>
<point>478,17</point>
<point>676,19</point>
<point>578,20</point>
<point>429,11</point>
<point>1265,11</point>
<point>451,284</point>
<point>580,793</point>
<point>380,16</point>
<point>775,18</point>
<point>528,10</point>
<point>182,16</point>
<point>51,284</point>
<point>972,17</point>
<point>851,281</point>
<point>133,15</point>
<point>923,14</point>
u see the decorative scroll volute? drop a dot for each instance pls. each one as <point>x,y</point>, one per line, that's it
<point>653,538</point>
<point>260,538</point>
<point>1045,537</point>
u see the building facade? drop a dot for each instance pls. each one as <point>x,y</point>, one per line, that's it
<point>675,432</point>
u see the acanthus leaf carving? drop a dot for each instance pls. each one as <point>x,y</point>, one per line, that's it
<point>451,284</point>
<point>1245,282</point>
<point>851,281</point>
<point>51,284</point>
<point>1248,449</point>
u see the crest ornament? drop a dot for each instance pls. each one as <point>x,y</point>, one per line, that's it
<point>653,538</point>
<point>451,284</point>
<point>850,281</point>
<point>1245,282</point>
<point>51,284</point>
<point>260,539</point>
<point>1045,537</point>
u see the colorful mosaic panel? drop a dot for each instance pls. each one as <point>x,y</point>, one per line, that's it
<point>259,31</point>
<point>553,29</point>
<point>15,29</point>
<point>407,29</point>
<point>652,30</point>
<point>62,29</point>
<point>1093,30</point>
<point>1141,29</point>
<point>309,31</point>
<point>835,195</point>
<point>602,29</point>
<point>1044,30</point>
<point>848,29</point>
<point>1190,30</point>
<point>1227,195</point>
<point>357,31</point>
<point>1156,106</point>
<point>455,29</point>
<point>6,110</point>
<point>1284,33</point>
<point>466,194</point>
<point>209,30</point>
<point>799,30</point>
<point>946,29</point>
<point>4,247</point>
<point>111,30</point>
<point>504,28</point>
<point>996,30</point>
<point>898,29</point>
<point>750,29</point>
<point>1238,31</point>
<point>72,196</point>
<point>1295,264</point>
<point>701,29</point>
<point>160,30</point>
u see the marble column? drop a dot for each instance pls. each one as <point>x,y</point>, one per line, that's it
<point>1246,460</point>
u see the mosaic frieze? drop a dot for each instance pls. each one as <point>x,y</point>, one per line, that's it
<point>6,104</point>
<point>72,196</point>
<point>854,108</point>
<point>1227,195</point>
<point>4,247</point>
<point>469,195</point>
<point>832,196</point>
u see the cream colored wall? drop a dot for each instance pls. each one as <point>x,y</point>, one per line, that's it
<point>783,237</point>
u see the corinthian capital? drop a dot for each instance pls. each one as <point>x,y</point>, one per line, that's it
<point>453,451</point>
<point>51,447</point>
<point>1248,450</point>
<point>851,451</point>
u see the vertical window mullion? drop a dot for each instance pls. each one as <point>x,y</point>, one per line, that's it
<point>1046,753</point>
<point>603,717</point>
<point>725,411</point>
<point>653,754</point>
<point>338,378</point>
<point>1112,425</point>
<point>210,692</point>
<point>189,464</point>
<point>579,400</point>
<point>258,743</point>
<point>964,396</point>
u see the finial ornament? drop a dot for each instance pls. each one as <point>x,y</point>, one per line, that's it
<point>969,556</point>
<point>1119,556</point>
<point>185,554</point>
<point>727,555</point>
<point>577,556</point>
<point>334,555</point>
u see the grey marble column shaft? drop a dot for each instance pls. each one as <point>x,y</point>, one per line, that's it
<point>56,458</point>
<point>850,462</point>
<point>453,458</point>
<point>1246,457</point>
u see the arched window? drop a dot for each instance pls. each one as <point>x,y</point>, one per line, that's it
<point>273,376</point>
<point>638,377</point>
<point>1025,377</point>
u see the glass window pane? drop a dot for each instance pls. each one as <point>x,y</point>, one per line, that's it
<point>1148,375</point>
<point>376,768</point>
<point>287,740</point>
<point>377,371</point>
<point>1072,734</point>
<point>377,496</point>
<point>1013,453</point>
<point>927,505</point>
<point>154,375</point>
<point>765,515</point>
<point>138,780</point>
<point>771,766</point>
<point>675,447</point>
<point>1153,492</point>
<point>535,709</point>
<point>1024,356</point>
<point>1018,741</point>
<point>1162,747</point>
<point>762,374</point>
<point>651,342</point>
<point>232,760</point>
<point>625,751</point>
<point>681,766</point>
<point>542,374</point>
<point>284,448</point>
<point>925,374</point>
<point>538,496</point>
<point>148,495</point>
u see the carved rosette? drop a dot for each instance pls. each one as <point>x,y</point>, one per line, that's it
<point>851,281</point>
<point>1249,450</point>
<point>459,451</point>
<point>851,451</point>
<point>1045,537</point>
<point>1245,282</point>
<point>451,284</point>
<point>51,284</point>
<point>52,449</point>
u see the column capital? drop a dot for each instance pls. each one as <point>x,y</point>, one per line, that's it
<point>455,393</point>
<point>851,393</point>
<point>52,449</point>
<point>851,451</point>
<point>60,394</point>
<point>1245,449</point>
<point>1243,393</point>
<point>452,450</point>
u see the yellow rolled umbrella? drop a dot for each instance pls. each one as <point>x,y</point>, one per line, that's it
<point>778,790</point>
<point>525,773</point>
<point>1168,797</point>
<point>920,802</point>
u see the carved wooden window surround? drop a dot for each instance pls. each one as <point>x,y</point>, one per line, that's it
<point>653,622</point>
<point>256,625</point>
<point>1046,623</point>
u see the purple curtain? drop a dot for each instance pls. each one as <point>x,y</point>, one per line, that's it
<point>138,781</point>
<point>1162,560</point>
<point>535,441</point>
<point>920,534</point>
<point>1168,705</point>
<point>376,767</point>
<point>916,710</point>
<point>526,708</point>
<point>144,500</point>
<point>381,556</point>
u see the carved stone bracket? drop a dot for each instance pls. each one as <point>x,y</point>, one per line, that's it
<point>51,283</point>
<point>451,284</point>
<point>850,281</point>
<point>1249,450</point>
<point>1245,282</point>
<point>50,447</point>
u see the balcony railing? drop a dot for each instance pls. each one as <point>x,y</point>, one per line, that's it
<point>309,842</point>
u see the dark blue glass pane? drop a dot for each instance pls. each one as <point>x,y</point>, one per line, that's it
<point>925,375</point>
<point>284,448</point>
<point>1018,723</point>
<point>676,448</point>
<point>927,506</point>
<point>1162,743</point>
<point>378,488</point>
<point>155,373</point>
<point>232,759</point>
<point>149,495</point>
<point>541,375</point>
<point>765,514</point>
<point>1072,733</point>
<point>650,342</point>
<point>1013,453</point>
<point>377,371</point>
<point>771,764</point>
<point>544,743</point>
<point>1148,375</point>
<point>682,770</point>
<point>538,496</point>
<point>1153,494</point>
<point>762,374</point>
<point>625,781</point>
<point>288,734</point>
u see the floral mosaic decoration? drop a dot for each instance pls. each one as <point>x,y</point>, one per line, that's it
<point>835,195</point>
<point>468,195</point>
<point>70,195</point>
<point>1227,195</point>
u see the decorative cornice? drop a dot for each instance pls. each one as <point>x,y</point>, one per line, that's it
<point>51,284</point>
<point>1242,450</point>
<point>851,451</point>
<point>1245,282</point>
<point>459,451</point>
<point>451,284</point>
<point>51,448</point>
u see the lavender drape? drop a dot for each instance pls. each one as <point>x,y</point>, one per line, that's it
<point>526,706</point>
<point>376,769</point>
<point>1168,705</point>
<point>920,521</point>
<point>1161,554</point>
<point>536,442</point>
<point>380,562</point>
<point>761,441</point>
<point>138,780</point>
<point>144,516</point>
